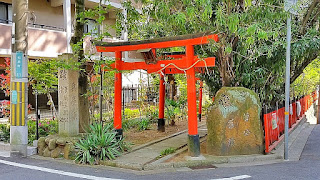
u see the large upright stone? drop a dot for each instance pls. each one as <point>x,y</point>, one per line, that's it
<point>68,99</point>
<point>234,126</point>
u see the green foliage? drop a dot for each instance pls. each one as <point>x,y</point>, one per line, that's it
<point>167,151</point>
<point>132,119</point>
<point>100,143</point>
<point>140,124</point>
<point>152,113</point>
<point>252,38</point>
<point>308,81</point>
<point>182,85</point>
<point>5,132</point>
<point>46,127</point>
<point>106,116</point>
<point>172,109</point>
<point>43,75</point>
<point>131,113</point>
<point>144,124</point>
<point>130,123</point>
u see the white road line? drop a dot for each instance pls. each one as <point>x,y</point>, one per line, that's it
<point>53,171</point>
<point>235,178</point>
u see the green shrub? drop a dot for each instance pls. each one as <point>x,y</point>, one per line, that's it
<point>46,127</point>
<point>100,143</point>
<point>105,116</point>
<point>172,109</point>
<point>129,123</point>
<point>131,113</point>
<point>152,113</point>
<point>5,132</point>
<point>144,124</point>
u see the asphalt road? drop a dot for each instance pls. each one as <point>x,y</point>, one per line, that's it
<point>307,168</point>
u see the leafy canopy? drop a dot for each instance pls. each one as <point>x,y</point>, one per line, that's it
<point>251,50</point>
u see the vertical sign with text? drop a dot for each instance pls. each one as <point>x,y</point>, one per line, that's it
<point>19,64</point>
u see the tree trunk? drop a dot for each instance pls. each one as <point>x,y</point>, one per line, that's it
<point>225,65</point>
<point>52,105</point>
<point>173,88</point>
<point>172,93</point>
<point>83,79</point>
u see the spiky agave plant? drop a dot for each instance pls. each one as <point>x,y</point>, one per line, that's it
<point>100,143</point>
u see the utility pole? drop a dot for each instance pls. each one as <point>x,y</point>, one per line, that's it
<point>287,91</point>
<point>290,7</point>
<point>100,71</point>
<point>19,79</point>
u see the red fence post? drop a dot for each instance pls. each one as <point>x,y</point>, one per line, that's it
<point>266,131</point>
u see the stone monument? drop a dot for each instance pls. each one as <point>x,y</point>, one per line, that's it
<point>68,99</point>
<point>234,125</point>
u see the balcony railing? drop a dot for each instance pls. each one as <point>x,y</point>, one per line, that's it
<point>35,25</point>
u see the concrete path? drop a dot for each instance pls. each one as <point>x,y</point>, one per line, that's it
<point>148,153</point>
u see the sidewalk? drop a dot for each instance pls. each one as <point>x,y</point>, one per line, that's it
<point>146,157</point>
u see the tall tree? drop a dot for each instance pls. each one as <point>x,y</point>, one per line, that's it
<point>77,44</point>
<point>251,50</point>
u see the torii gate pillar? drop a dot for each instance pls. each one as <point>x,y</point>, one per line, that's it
<point>118,96</point>
<point>193,136</point>
<point>161,121</point>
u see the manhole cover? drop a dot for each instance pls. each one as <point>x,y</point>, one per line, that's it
<point>203,167</point>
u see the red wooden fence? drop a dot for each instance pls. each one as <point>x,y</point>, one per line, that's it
<point>274,121</point>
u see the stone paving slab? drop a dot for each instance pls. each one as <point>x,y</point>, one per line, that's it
<point>150,153</point>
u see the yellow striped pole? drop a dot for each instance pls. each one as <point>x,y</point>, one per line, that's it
<point>19,104</point>
<point>13,105</point>
<point>23,104</point>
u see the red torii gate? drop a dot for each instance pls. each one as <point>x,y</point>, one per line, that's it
<point>188,63</point>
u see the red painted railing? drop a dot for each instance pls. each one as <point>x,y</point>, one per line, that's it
<point>274,121</point>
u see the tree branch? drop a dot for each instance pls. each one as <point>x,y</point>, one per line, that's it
<point>315,16</point>
<point>307,16</point>
<point>299,70</point>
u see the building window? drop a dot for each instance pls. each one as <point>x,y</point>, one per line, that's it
<point>91,27</point>
<point>5,13</point>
